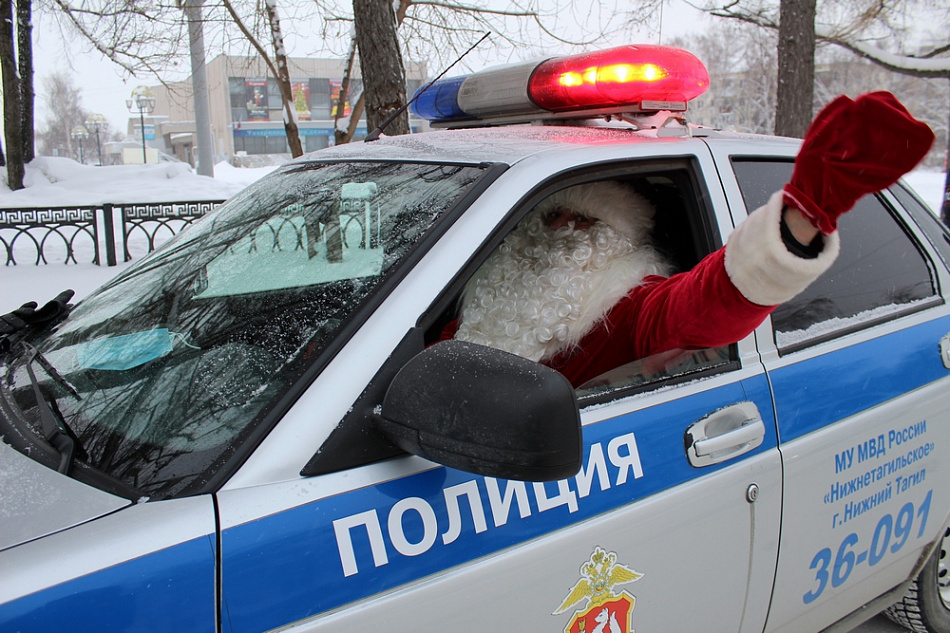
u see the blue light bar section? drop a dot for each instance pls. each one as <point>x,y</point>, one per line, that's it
<point>440,101</point>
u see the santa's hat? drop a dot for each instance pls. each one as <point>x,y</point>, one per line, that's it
<point>610,202</point>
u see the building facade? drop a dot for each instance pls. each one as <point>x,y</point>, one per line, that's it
<point>246,110</point>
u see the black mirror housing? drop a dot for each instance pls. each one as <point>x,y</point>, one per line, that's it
<point>485,411</point>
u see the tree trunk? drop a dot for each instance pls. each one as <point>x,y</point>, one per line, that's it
<point>11,98</point>
<point>356,113</point>
<point>384,75</point>
<point>342,136</point>
<point>796,67</point>
<point>283,80</point>
<point>24,33</point>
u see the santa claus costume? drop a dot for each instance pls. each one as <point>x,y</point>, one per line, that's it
<point>588,300</point>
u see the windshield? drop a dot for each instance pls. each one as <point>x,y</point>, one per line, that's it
<point>177,361</point>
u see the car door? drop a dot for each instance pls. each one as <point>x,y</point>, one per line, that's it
<point>858,380</point>
<point>677,499</point>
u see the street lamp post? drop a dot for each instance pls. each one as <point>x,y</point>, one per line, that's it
<point>94,121</point>
<point>79,133</point>
<point>143,102</point>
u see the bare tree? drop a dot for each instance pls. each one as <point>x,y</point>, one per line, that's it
<point>143,37</point>
<point>24,33</point>
<point>794,20</point>
<point>283,79</point>
<point>441,30</point>
<point>341,136</point>
<point>11,98</point>
<point>64,113</point>
<point>16,66</point>
<point>872,30</point>
<point>438,31</point>
<point>384,75</point>
<point>147,36</point>
<point>796,67</point>
<point>741,60</point>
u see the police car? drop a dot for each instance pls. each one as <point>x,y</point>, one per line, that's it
<point>253,430</point>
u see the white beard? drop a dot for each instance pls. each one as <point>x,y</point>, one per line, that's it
<point>542,290</point>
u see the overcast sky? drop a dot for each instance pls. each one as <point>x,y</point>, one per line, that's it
<point>105,89</point>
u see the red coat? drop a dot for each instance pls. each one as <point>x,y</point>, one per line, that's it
<point>693,310</point>
<point>720,301</point>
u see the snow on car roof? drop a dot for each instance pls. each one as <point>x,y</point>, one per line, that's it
<point>495,144</point>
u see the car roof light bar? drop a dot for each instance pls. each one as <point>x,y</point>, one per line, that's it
<point>635,78</point>
<point>628,75</point>
<point>440,101</point>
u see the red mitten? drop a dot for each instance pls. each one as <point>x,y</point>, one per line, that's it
<point>853,148</point>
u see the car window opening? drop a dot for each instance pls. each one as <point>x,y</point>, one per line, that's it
<point>679,233</point>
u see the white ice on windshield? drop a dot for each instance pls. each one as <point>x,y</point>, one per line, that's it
<point>273,258</point>
<point>241,273</point>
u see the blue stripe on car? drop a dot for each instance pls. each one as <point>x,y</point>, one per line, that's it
<point>819,391</point>
<point>168,590</point>
<point>287,567</point>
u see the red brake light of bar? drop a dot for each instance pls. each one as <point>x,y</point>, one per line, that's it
<point>618,76</point>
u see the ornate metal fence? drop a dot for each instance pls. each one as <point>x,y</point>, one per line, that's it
<point>145,226</point>
<point>38,236</point>
<point>87,234</point>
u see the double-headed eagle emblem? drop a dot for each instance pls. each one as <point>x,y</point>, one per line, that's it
<point>599,576</point>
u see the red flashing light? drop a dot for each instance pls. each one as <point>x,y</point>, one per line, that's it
<point>618,76</point>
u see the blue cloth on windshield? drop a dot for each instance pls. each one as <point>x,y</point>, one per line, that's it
<point>120,353</point>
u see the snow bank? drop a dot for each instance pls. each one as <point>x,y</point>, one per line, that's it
<point>929,185</point>
<point>59,182</point>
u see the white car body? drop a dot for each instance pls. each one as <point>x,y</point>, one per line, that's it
<point>826,499</point>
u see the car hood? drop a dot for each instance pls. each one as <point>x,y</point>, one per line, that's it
<point>36,501</point>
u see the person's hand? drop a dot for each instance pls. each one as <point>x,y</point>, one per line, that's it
<point>27,314</point>
<point>853,148</point>
<point>53,308</point>
<point>18,319</point>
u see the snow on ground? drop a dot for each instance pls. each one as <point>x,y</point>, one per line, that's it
<point>930,185</point>
<point>61,181</point>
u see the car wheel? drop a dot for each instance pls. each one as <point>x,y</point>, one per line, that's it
<point>925,607</point>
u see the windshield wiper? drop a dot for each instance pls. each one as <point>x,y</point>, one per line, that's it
<point>54,427</point>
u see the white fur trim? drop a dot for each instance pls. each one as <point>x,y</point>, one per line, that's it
<point>617,205</point>
<point>762,268</point>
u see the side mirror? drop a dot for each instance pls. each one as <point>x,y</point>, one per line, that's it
<point>484,411</point>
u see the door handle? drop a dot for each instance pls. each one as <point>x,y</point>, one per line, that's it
<point>724,434</point>
<point>945,350</point>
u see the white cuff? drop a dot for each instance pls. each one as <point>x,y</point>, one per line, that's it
<point>762,268</point>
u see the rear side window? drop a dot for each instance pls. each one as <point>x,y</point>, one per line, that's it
<point>880,273</point>
<point>933,228</point>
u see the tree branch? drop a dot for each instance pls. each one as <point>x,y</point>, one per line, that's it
<point>250,37</point>
<point>472,9</point>
<point>915,66</point>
